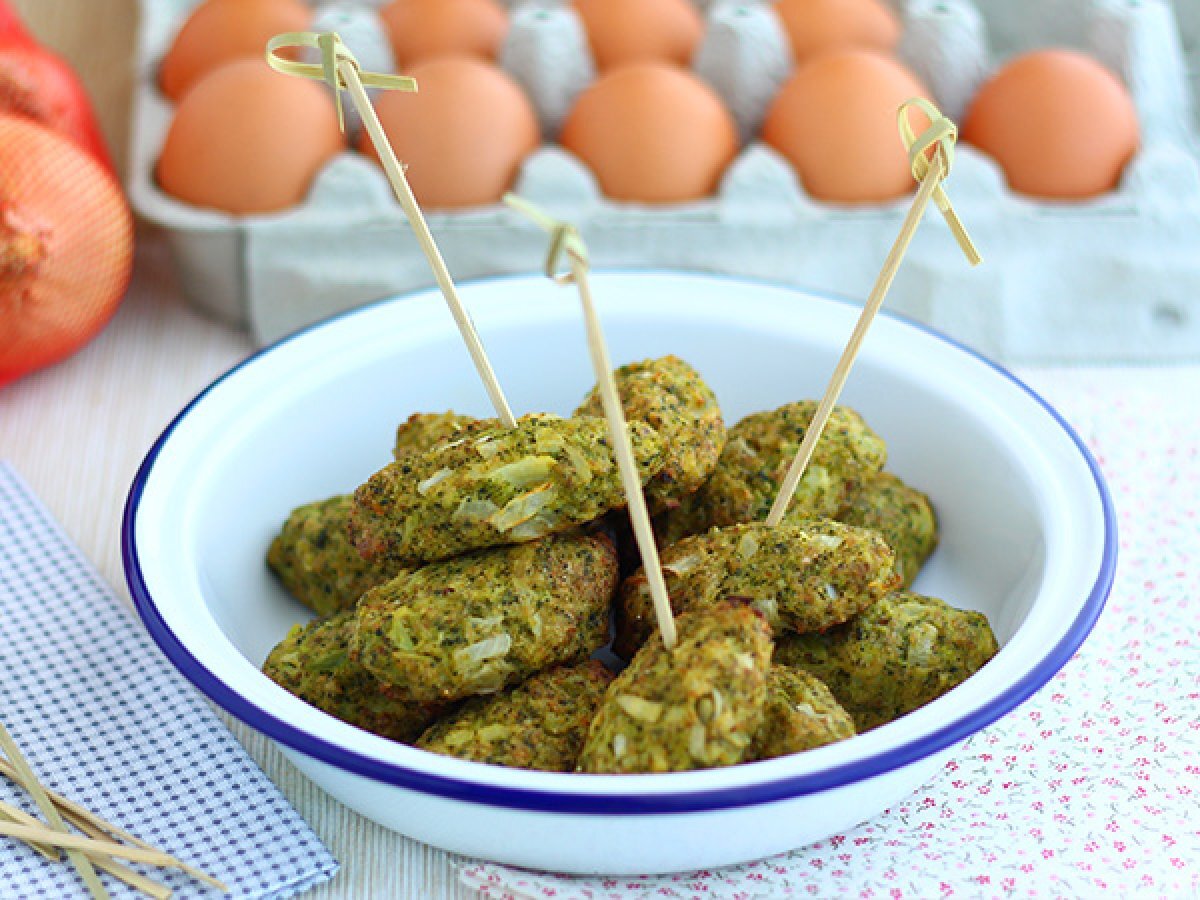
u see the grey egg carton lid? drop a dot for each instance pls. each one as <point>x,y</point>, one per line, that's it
<point>1114,278</point>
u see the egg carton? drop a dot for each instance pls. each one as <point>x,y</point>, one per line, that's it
<point>1116,278</point>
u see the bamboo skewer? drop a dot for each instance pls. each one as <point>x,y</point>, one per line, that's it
<point>341,71</point>
<point>20,817</point>
<point>77,842</point>
<point>26,779</point>
<point>939,137</point>
<point>566,240</point>
<point>105,832</point>
<point>639,515</point>
<point>80,816</point>
<point>136,881</point>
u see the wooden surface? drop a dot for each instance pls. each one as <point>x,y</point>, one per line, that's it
<point>97,37</point>
<point>78,431</point>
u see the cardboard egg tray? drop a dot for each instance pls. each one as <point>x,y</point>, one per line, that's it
<point>1116,278</point>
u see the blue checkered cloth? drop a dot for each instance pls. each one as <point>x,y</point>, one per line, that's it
<point>105,720</point>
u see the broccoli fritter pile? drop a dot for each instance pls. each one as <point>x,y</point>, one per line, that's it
<point>805,577</point>
<point>902,514</point>
<point>314,663</point>
<point>758,452</point>
<point>539,724</point>
<point>695,706</point>
<point>670,396</point>
<point>317,563</point>
<point>496,486</point>
<point>466,584</point>
<point>478,623</point>
<point>901,653</point>
<point>799,714</point>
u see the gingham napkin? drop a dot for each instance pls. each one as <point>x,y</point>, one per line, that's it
<point>1090,788</point>
<point>104,719</point>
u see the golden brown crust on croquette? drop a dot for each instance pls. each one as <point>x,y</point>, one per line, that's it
<point>899,654</point>
<point>670,395</point>
<point>902,514</point>
<point>539,724</point>
<point>799,714</point>
<point>478,623</point>
<point>695,706</point>
<point>802,576</point>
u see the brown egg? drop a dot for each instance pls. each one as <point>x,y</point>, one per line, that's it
<point>424,29</point>
<point>1059,124</point>
<point>625,31</point>
<point>246,139</point>
<point>652,133</point>
<point>835,121</point>
<point>463,135</point>
<point>818,26</point>
<point>218,31</point>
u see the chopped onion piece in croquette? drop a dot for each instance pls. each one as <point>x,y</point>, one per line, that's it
<point>800,714</point>
<point>422,431</point>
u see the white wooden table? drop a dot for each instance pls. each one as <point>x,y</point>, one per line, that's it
<point>77,433</point>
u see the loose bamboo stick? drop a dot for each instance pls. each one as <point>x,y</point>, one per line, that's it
<point>96,827</point>
<point>75,842</point>
<point>114,868</point>
<point>20,817</point>
<point>27,780</point>
<point>139,882</point>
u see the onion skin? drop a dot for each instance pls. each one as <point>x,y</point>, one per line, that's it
<point>12,30</point>
<point>38,85</point>
<point>66,247</point>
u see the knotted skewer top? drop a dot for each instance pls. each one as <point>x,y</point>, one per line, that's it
<point>333,52</point>
<point>932,152</point>
<point>564,239</point>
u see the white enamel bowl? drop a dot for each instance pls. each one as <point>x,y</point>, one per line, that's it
<point>1028,537</point>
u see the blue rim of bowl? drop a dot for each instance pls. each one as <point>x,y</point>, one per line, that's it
<point>618,804</point>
